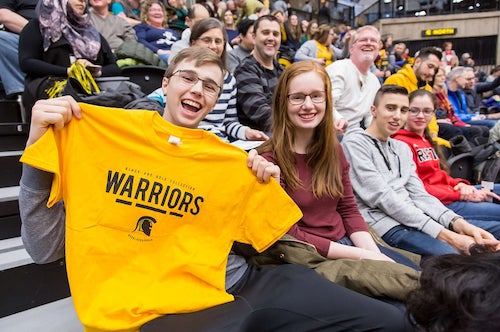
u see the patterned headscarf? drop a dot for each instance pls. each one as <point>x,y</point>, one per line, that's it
<point>57,18</point>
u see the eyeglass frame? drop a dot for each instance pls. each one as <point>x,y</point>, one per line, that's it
<point>366,40</point>
<point>195,74</point>
<point>307,95</point>
<point>209,41</point>
<point>413,112</point>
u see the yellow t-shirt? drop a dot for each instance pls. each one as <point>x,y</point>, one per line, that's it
<point>149,224</point>
<point>324,53</point>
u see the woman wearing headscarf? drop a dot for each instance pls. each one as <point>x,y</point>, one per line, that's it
<point>60,36</point>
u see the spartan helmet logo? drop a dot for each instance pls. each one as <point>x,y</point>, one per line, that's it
<point>145,224</point>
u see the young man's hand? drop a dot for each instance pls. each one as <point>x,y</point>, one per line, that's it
<point>262,168</point>
<point>55,112</point>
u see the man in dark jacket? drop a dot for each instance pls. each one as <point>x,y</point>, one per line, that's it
<point>257,75</point>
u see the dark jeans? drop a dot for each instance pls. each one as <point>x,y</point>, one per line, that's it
<point>413,240</point>
<point>287,298</point>
<point>448,131</point>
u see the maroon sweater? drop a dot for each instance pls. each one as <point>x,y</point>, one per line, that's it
<point>325,219</point>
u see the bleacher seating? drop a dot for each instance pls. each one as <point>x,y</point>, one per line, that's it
<point>34,297</point>
<point>149,78</point>
<point>461,166</point>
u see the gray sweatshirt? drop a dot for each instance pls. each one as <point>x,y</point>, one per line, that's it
<point>387,188</point>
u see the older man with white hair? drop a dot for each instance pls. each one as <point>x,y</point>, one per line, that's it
<point>353,84</point>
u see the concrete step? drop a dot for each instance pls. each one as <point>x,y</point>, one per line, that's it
<point>13,254</point>
<point>10,221</point>
<point>57,316</point>
<point>10,111</point>
<point>25,285</point>
<point>13,136</point>
<point>10,168</point>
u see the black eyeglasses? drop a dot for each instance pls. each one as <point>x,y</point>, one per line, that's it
<point>317,97</point>
<point>190,78</point>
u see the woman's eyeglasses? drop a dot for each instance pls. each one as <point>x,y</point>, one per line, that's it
<point>209,41</point>
<point>317,97</point>
<point>425,111</point>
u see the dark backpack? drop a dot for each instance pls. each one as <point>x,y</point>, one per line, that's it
<point>487,162</point>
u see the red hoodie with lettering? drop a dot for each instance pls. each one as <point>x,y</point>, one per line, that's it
<point>437,182</point>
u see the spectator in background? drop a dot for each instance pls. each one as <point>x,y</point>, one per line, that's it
<point>288,45</point>
<point>14,15</point>
<point>257,75</point>
<point>295,31</point>
<point>386,50</point>
<point>303,26</point>
<point>129,10</point>
<point>387,43</point>
<point>397,57</point>
<point>324,11</point>
<point>466,60</point>
<point>353,85</point>
<point>307,7</point>
<point>195,13</point>
<point>456,81</point>
<point>221,8</point>
<point>312,28</point>
<point>494,73</point>
<point>113,28</point>
<point>178,19</point>
<point>320,49</point>
<point>209,5</point>
<point>153,32</point>
<point>448,53</point>
<point>50,44</point>
<point>449,124</point>
<point>260,11</point>
<point>232,6</point>
<point>382,63</point>
<point>454,62</point>
<point>247,8</point>
<point>230,26</point>
<point>245,45</point>
<point>473,96</point>
<point>494,133</point>
<point>281,6</point>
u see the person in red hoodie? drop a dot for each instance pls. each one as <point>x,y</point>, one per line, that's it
<point>457,194</point>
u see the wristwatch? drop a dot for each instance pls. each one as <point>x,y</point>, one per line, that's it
<point>450,226</point>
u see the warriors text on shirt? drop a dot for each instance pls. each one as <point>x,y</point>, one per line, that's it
<point>152,195</point>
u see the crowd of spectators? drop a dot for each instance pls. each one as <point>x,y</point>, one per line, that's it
<point>367,77</point>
